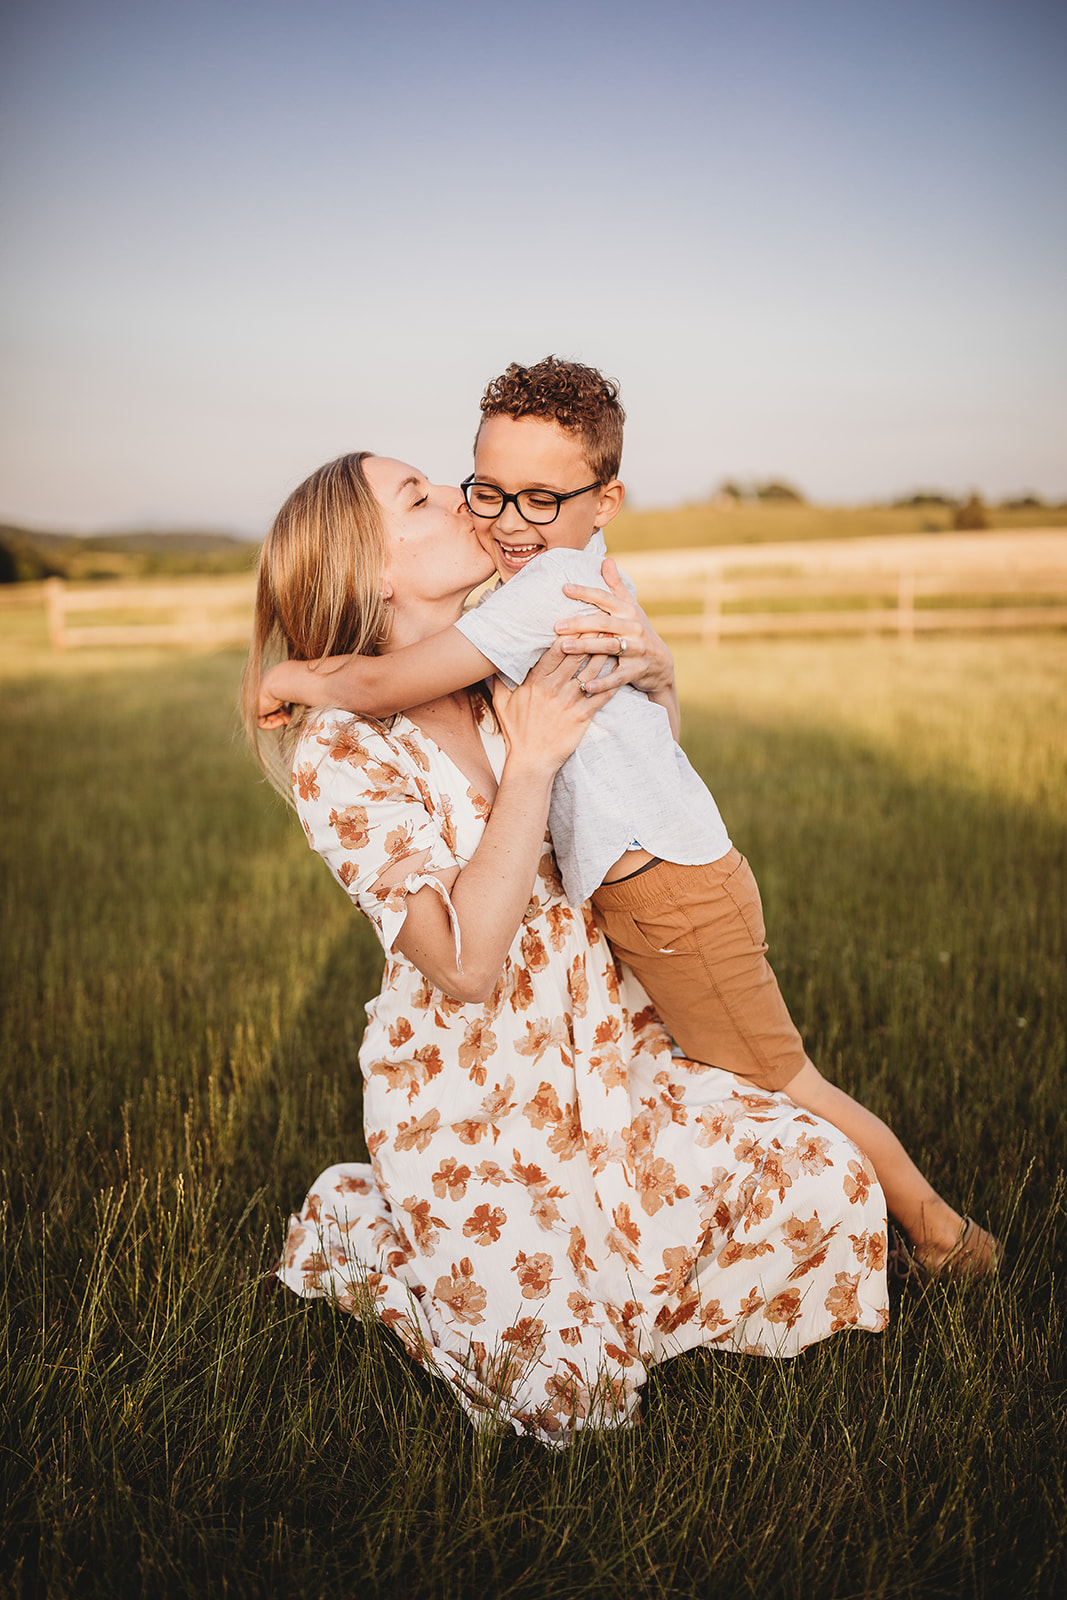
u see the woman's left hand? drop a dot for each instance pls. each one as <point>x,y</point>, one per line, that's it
<point>544,719</point>
<point>643,658</point>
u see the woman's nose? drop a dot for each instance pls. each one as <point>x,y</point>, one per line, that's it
<point>451,497</point>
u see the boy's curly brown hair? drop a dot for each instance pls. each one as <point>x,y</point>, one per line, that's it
<point>578,399</point>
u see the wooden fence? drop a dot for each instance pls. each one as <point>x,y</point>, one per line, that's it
<point>904,585</point>
<point>983,581</point>
<point>868,603</point>
<point>211,611</point>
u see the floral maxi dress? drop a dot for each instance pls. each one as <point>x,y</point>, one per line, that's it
<point>554,1201</point>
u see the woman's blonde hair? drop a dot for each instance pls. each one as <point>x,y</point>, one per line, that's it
<point>319,591</point>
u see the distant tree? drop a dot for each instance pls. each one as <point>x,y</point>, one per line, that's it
<point>24,560</point>
<point>728,490</point>
<point>925,497</point>
<point>775,490</point>
<point>1025,502</point>
<point>971,516</point>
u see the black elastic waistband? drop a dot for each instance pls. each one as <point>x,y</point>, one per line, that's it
<point>655,862</point>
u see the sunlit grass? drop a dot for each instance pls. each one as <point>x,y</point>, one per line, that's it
<point>182,991</point>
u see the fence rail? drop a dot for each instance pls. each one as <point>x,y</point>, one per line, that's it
<point>212,612</point>
<point>993,581</point>
<point>711,594</point>
<point>900,611</point>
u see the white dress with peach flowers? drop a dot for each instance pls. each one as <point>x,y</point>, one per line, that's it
<point>554,1201</point>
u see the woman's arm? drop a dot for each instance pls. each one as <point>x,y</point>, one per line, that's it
<point>646,662</point>
<point>543,721</point>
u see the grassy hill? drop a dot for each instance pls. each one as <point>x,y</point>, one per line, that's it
<point>27,555</point>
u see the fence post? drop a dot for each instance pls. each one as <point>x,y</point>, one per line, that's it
<point>710,630</point>
<point>57,620</point>
<point>906,606</point>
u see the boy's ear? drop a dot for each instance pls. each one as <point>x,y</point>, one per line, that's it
<point>611,498</point>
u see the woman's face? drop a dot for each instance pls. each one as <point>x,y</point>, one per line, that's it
<point>432,552</point>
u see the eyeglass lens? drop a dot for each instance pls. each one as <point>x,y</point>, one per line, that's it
<point>535,505</point>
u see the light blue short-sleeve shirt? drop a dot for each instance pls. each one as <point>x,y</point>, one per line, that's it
<point>628,782</point>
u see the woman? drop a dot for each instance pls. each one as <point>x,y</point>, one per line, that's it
<point>553,1202</point>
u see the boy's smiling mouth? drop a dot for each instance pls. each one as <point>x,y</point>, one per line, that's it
<point>513,557</point>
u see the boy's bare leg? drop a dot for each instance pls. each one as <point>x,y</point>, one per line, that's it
<point>929,1222</point>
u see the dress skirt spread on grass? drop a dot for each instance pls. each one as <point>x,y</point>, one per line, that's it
<point>554,1201</point>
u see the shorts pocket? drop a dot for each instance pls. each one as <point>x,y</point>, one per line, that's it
<point>743,890</point>
<point>659,930</point>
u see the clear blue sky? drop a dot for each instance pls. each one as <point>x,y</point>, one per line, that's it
<point>821,239</point>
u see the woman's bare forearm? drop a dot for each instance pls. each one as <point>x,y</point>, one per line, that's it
<point>489,896</point>
<point>668,699</point>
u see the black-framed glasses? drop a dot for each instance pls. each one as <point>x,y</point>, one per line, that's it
<point>537,506</point>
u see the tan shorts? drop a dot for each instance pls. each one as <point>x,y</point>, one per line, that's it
<point>694,936</point>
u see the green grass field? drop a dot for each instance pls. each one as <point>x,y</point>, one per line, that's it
<point>182,990</point>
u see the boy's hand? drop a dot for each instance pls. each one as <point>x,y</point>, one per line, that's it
<point>271,712</point>
<point>643,658</point>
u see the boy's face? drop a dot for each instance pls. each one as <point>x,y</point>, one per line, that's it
<point>515,453</point>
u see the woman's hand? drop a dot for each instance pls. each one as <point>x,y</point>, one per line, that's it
<point>543,720</point>
<point>643,658</point>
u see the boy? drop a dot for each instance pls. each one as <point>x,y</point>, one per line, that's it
<point>633,826</point>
